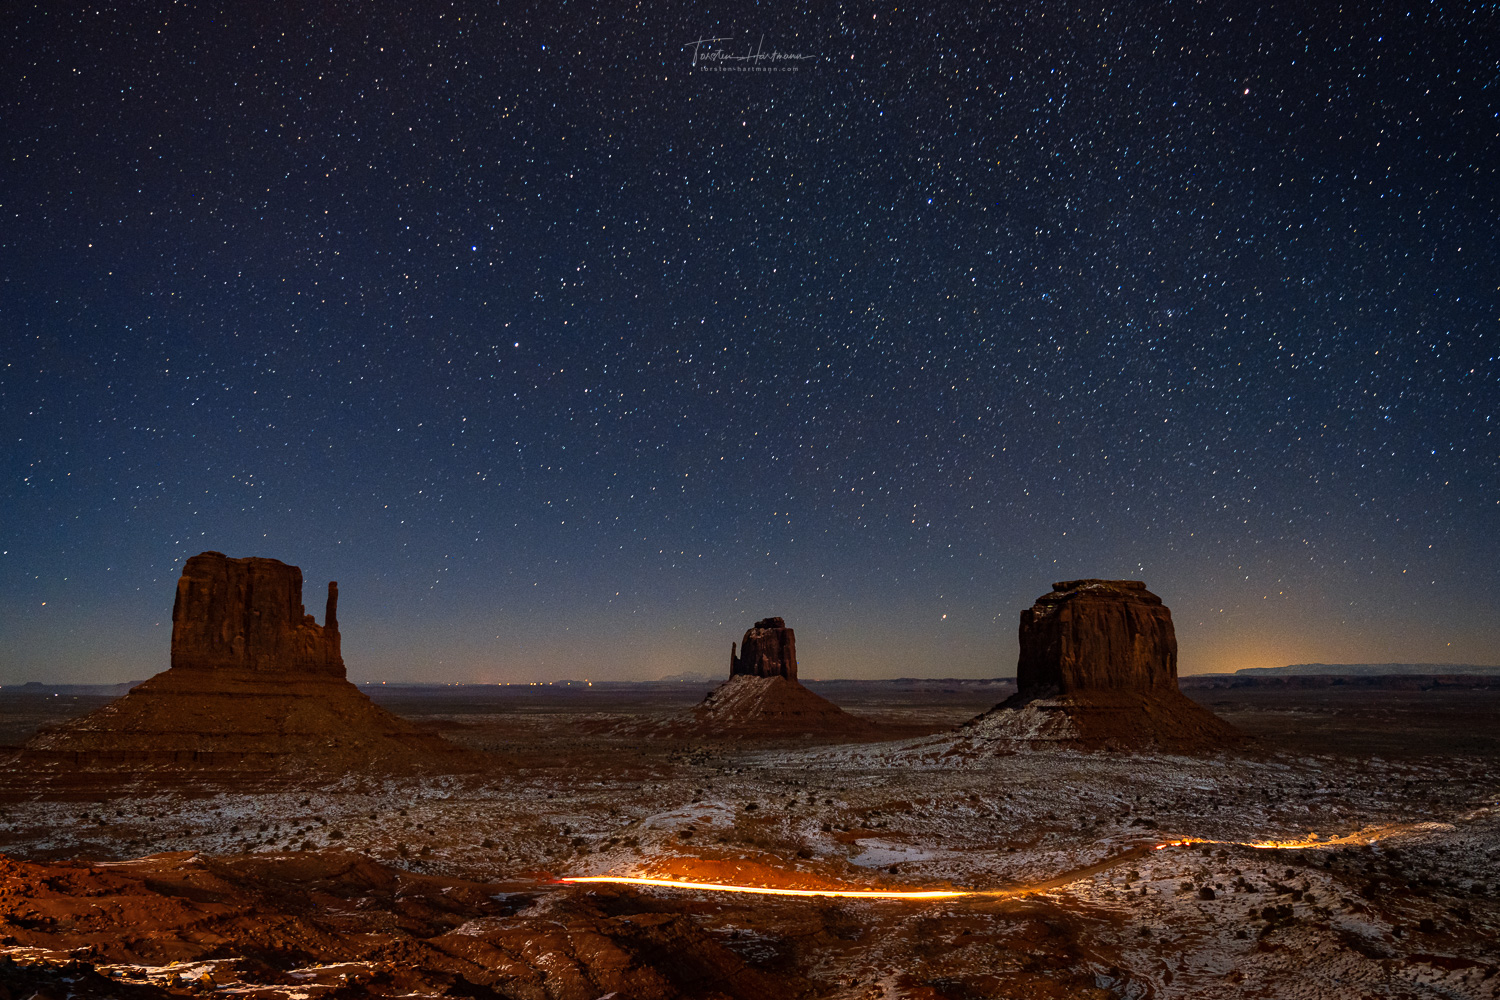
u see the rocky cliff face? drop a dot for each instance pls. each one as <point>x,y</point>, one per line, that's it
<point>247,614</point>
<point>769,649</point>
<point>1096,635</point>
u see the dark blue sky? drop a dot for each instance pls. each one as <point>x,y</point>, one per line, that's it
<point>567,358</point>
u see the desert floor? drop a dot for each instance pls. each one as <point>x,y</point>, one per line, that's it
<point>1385,881</point>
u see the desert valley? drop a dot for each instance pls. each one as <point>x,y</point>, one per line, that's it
<point>250,824</point>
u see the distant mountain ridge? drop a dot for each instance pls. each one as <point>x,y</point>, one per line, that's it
<point>1369,669</point>
<point>688,677</point>
<point>84,690</point>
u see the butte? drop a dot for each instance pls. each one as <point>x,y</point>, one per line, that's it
<point>763,697</point>
<point>256,687</point>
<point>1098,671</point>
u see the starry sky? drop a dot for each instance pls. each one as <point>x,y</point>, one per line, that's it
<point>569,356</point>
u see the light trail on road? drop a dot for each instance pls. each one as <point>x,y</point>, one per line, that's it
<point>1359,838</point>
<point>1133,854</point>
<point>762,890</point>
<point>1312,842</point>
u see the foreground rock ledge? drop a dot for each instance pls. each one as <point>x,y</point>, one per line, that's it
<point>1098,670</point>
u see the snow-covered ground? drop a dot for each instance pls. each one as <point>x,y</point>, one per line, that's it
<point>1392,887</point>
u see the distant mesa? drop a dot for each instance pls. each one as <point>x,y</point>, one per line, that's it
<point>763,697</point>
<point>1098,670</point>
<point>255,685</point>
<point>1372,670</point>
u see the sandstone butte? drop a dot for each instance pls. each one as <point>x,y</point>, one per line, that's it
<point>255,686</point>
<point>1098,670</point>
<point>768,649</point>
<point>763,697</point>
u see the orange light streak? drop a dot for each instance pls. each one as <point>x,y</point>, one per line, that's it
<point>1311,842</point>
<point>1303,845</point>
<point>762,890</point>
<point>1368,836</point>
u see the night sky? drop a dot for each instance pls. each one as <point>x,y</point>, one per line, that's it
<point>569,358</point>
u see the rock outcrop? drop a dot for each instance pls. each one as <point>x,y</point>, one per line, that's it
<point>768,649</point>
<point>1098,670</point>
<point>763,697</point>
<point>256,686</point>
